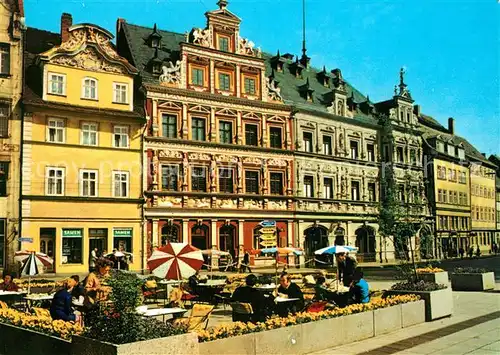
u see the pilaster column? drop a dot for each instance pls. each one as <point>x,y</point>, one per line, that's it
<point>212,76</point>
<point>185,126</point>
<point>155,125</point>
<point>264,131</point>
<point>213,233</point>
<point>238,81</point>
<point>185,238</point>
<point>241,236</point>
<point>155,233</point>
<point>239,129</point>
<point>213,130</point>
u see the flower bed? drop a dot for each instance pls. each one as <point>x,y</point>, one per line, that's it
<point>239,328</point>
<point>46,325</point>
<point>433,274</point>
<point>429,270</point>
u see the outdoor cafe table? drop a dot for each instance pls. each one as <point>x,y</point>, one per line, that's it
<point>168,287</point>
<point>266,287</point>
<point>213,283</point>
<point>11,296</point>
<point>280,299</point>
<point>162,312</point>
<point>32,298</point>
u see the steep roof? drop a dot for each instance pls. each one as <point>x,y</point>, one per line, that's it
<point>432,129</point>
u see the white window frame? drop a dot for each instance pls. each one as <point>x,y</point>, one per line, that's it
<point>63,180</point>
<point>116,87</point>
<point>328,190</point>
<point>96,181</point>
<point>63,128</point>
<point>127,174</point>
<point>308,189</point>
<point>450,150</point>
<point>49,83</point>
<point>121,133</point>
<point>83,131</point>
<point>94,80</point>
<point>325,146</point>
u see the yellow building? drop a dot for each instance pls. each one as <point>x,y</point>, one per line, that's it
<point>11,51</point>
<point>483,204</point>
<point>81,182</point>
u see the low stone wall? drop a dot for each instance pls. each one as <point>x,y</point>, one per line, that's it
<point>437,277</point>
<point>178,344</point>
<point>438,304</point>
<point>319,335</point>
<point>20,341</point>
<point>473,282</point>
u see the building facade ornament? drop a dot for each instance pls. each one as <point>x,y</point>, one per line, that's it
<point>171,74</point>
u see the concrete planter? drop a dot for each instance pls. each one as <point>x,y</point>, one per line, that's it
<point>438,304</point>
<point>239,345</point>
<point>22,341</point>
<point>386,320</point>
<point>412,313</point>
<point>473,282</point>
<point>438,277</point>
<point>178,344</point>
<point>357,327</point>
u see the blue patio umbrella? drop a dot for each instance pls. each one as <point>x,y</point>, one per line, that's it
<point>336,249</point>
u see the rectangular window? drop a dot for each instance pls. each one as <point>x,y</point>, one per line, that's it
<point>198,129</point>
<point>225,132</point>
<point>440,195</point>
<point>120,183</point>
<point>251,182</point>
<point>276,183</point>
<point>413,157</point>
<point>199,179</point>
<point>251,135</point>
<point>57,84</point>
<point>120,93</point>
<point>168,125</point>
<point>120,137</point>
<point>89,89</point>
<point>169,177</point>
<point>4,60</point>
<point>372,194</point>
<point>308,186</point>
<point>355,191</point>
<point>401,193</point>
<point>122,239</point>
<point>72,252</point>
<point>89,134</point>
<point>327,145</point>
<point>461,153</point>
<point>88,183</point>
<point>55,181</point>
<point>55,130</point>
<point>328,188</point>
<point>308,141</point>
<point>4,121</point>
<point>451,150</point>
<point>224,44</point>
<point>197,77</point>
<point>354,150</point>
<point>224,81</point>
<point>370,149</point>
<point>275,137</point>
<point>226,180</point>
<point>4,177</point>
<point>400,155</point>
<point>250,86</point>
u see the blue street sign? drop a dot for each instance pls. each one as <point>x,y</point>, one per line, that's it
<point>268,223</point>
<point>26,239</point>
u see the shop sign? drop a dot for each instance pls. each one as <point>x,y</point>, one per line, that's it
<point>268,243</point>
<point>122,232</point>
<point>267,237</point>
<point>72,233</point>
<point>267,230</point>
<point>98,232</point>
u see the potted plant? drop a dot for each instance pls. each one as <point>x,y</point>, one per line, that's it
<point>472,279</point>
<point>433,274</point>
<point>438,297</point>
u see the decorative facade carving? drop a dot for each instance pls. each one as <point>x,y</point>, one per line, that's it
<point>277,205</point>
<point>88,59</point>
<point>198,203</point>
<point>252,204</point>
<point>169,154</point>
<point>202,37</point>
<point>274,92</point>
<point>169,201</point>
<point>171,74</point>
<point>276,162</point>
<point>226,203</point>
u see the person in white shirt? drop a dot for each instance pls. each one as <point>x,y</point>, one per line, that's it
<point>93,259</point>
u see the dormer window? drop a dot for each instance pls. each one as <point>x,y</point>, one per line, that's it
<point>279,67</point>
<point>156,68</point>
<point>223,43</point>
<point>451,150</point>
<point>155,42</point>
<point>461,153</point>
<point>440,146</point>
<point>154,38</point>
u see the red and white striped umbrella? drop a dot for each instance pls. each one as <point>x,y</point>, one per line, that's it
<point>175,261</point>
<point>33,262</point>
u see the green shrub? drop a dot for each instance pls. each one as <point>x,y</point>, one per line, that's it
<point>469,270</point>
<point>417,286</point>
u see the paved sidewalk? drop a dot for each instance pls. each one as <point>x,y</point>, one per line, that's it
<point>482,338</point>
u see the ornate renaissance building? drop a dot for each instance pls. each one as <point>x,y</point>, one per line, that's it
<point>218,142</point>
<point>81,182</point>
<point>12,31</point>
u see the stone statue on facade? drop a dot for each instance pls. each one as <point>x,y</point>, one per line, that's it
<point>246,47</point>
<point>201,37</point>
<point>274,92</point>
<point>171,74</point>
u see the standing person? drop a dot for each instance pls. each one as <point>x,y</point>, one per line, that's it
<point>61,307</point>
<point>461,251</point>
<point>478,251</point>
<point>471,251</point>
<point>245,264</point>
<point>93,259</point>
<point>346,266</point>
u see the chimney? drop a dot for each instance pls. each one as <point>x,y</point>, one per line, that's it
<point>451,125</point>
<point>417,110</point>
<point>66,23</point>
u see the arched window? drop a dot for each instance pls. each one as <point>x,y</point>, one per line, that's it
<point>89,88</point>
<point>199,236</point>
<point>227,236</point>
<point>169,233</point>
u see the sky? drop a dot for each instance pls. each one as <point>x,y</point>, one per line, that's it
<point>449,48</point>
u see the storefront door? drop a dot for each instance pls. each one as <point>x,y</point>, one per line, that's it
<point>48,244</point>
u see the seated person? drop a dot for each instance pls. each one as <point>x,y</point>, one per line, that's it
<point>78,291</point>
<point>175,297</point>
<point>8,284</point>
<point>321,292</point>
<point>249,294</point>
<point>193,281</point>
<point>359,291</point>
<point>61,307</point>
<point>289,289</point>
